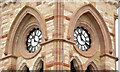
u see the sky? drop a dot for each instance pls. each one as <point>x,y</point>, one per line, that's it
<point>117,32</point>
<point>117,40</point>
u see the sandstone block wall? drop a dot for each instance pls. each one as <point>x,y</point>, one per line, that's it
<point>10,10</point>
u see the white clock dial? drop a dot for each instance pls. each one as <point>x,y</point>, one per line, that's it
<point>82,38</point>
<point>33,40</point>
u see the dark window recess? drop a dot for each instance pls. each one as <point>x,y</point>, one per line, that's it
<point>89,69</point>
<point>72,67</point>
<point>27,70</point>
<point>41,70</point>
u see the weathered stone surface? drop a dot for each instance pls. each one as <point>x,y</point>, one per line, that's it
<point>9,11</point>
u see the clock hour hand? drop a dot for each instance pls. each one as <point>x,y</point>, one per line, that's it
<point>81,38</point>
<point>35,40</point>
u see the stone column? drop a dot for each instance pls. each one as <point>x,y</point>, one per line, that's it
<point>58,34</point>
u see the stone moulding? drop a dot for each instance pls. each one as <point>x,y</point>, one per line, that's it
<point>77,62</point>
<point>38,62</point>
<point>22,66</point>
<point>95,42</point>
<point>104,37</point>
<point>16,37</point>
<point>24,14</point>
<point>113,57</point>
<point>93,63</point>
<point>22,40</point>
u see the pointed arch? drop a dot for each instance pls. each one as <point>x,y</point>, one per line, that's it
<point>92,64</point>
<point>23,66</point>
<point>99,25</point>
<point>77,63</point>
<point>23,16</point>
<point>38,64</point>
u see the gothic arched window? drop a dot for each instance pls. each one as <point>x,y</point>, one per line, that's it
<point>72,68</point>
<point>39,65</point>
<point>41,69</point>
<point>26,33</point>
<point>89,69</point>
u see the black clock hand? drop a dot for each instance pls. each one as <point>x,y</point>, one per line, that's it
<point>34,39</point>
<point>87,45</point>
<point>81,38</point>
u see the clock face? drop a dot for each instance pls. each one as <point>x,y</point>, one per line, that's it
<point>82,38</point>
<point>33,40</point>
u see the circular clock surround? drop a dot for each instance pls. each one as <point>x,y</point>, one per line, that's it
<point>33,40</point>
<point>94,40</point>
<point>29,28</point>
<point>82,38</point>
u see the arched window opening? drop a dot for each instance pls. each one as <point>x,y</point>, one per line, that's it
<point>41,69</point>
<point>28,22</point>
<point>75,65</point>
<point>89,69</point>
<point>72,67</point>
<point>90,19</point>
<point>25,69</point>
<point>39,65</point>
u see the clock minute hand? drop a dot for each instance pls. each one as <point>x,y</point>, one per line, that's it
<point>81,37</point>
<point>35,39</point>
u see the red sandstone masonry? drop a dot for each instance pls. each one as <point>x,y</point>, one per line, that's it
<point>59,47</point>
<point>57,63</point>
<point>108,21</point>
<point>52,17</point>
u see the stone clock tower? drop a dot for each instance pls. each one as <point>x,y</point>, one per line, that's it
<point>58,35</point>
